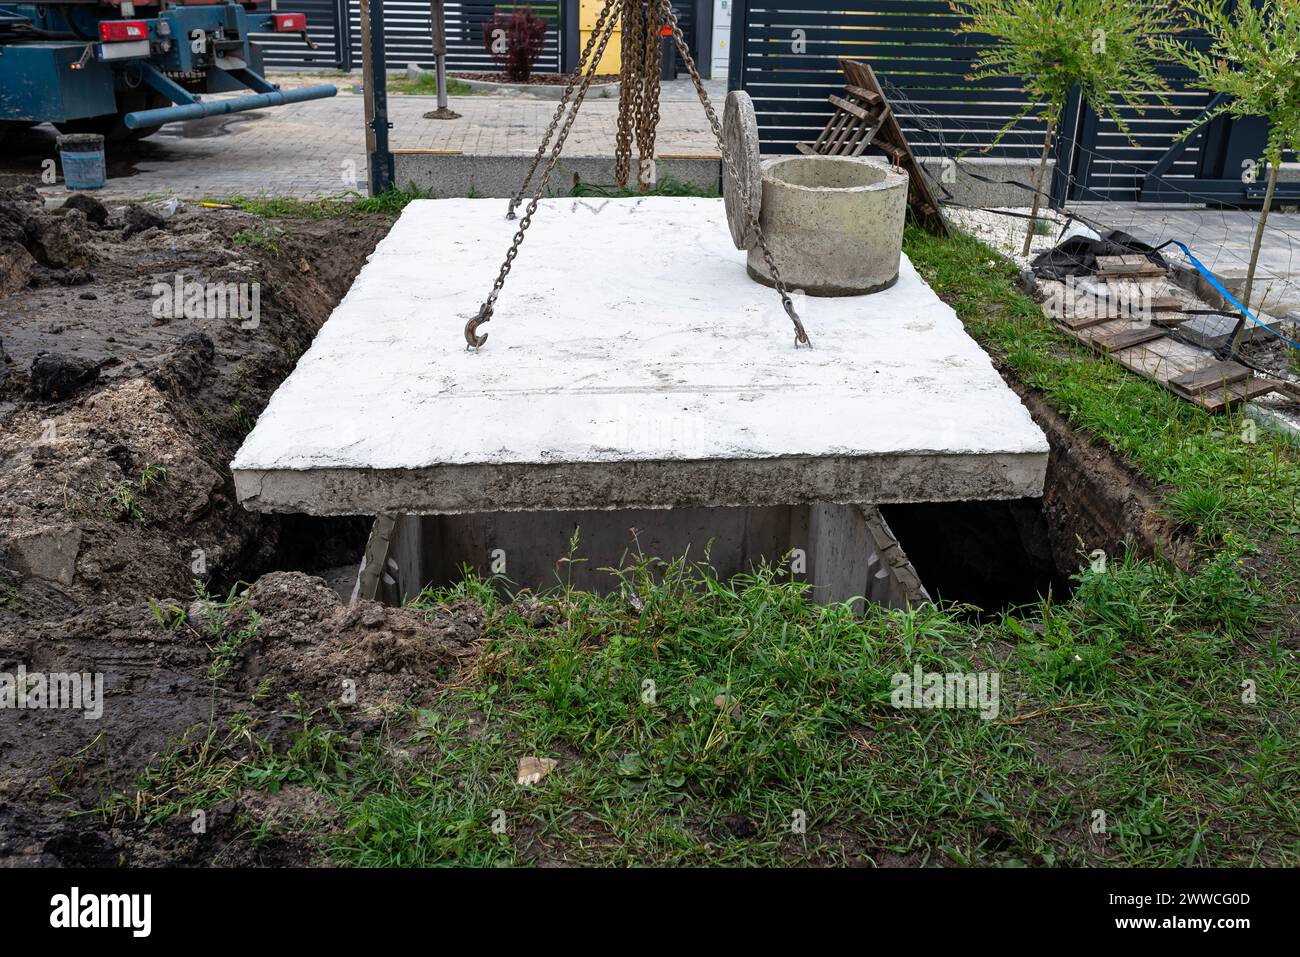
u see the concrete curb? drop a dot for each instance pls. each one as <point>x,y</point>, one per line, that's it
<point>445,174</point>
<point>537,91</point>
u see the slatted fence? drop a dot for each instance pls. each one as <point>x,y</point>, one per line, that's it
<point>407,38</point>
<point>785,54</point>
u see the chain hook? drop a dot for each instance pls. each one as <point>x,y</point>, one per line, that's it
<point>800,336</point>
<point>472,338</point>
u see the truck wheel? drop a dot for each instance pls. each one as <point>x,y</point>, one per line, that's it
<point>112,126</point>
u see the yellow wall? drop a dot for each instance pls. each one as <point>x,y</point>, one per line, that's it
<point>588,14</point>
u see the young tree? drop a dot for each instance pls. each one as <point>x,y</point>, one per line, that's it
<point>1254,60</point>
<point>1105,48</point>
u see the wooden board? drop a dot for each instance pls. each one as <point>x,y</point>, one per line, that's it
<point>1127,338</point>
<point>1087,320</point>
<point>1234,394</point>
<point>1189,372</point>
<point>1213,374</point>
<point>1127,266</point>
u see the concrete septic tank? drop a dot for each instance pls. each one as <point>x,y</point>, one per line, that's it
<point>834,224</point>
<point>846,551</point>
<point>633,368</point>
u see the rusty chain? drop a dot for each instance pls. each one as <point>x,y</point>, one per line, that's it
<point>648,121</point>
<point>584,61</point>
<point>639,117</point>
<point>629,90</point>
<point>606,29</point>
<point>800,336</point>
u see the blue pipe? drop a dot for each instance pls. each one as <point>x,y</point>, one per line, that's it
<point>239,104</point>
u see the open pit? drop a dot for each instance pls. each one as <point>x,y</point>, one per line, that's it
<point>156,400</point>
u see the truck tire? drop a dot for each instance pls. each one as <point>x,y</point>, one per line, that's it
<point>112,126</point>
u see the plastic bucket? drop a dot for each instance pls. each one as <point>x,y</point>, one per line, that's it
<point>82,156</point>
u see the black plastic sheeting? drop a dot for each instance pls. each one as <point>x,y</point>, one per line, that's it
<point>1077,256</point>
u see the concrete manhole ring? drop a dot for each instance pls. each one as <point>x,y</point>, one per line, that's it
<point>740,134</point>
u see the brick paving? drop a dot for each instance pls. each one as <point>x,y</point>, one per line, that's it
<point>314,149</point>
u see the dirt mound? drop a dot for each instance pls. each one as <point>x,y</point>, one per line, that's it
<point>121,406</point>
<point>368,656</point>
<point>122,400</point>
<point>303,652</point>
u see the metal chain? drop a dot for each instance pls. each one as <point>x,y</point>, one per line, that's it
<point>629,92</point>
<point>606,30</point>
<point>583,63</point>
<point>800,336</point>
<point>648,34</point>
<point>649,118</point>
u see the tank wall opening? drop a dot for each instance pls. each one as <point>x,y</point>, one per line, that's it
<point>844,551</point>
<point>993,555</point>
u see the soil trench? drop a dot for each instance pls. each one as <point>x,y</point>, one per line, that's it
<point>120,410</point>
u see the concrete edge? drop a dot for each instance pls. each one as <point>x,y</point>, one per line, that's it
<point>536,91</point>
<point>802,480</point>
<point>449,173</point>
<point>446,175</point>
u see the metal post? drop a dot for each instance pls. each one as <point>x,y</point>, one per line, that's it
<point>1066,149</point>
<point>438,28</point>
<point>704,37</point>
<point>736,61</point>
<point>571,39</point>
<point>343,36</point>
<point>375,84</point>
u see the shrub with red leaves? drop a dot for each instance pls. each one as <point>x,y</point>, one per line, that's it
<point>515,41</point>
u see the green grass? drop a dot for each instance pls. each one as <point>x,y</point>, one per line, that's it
<point>1162,698</point>
<point>123,499</point>
<point>427,85</point>
<point>263,236</point>
<point>666,186</point>
<point>388,203</point>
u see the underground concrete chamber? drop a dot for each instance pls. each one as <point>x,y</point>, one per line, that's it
<point>844,551</point>
<point>641,380</point>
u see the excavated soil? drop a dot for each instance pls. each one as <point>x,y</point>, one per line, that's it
<point>117,424</point>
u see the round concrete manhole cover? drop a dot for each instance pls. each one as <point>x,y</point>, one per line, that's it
<point>744,197</point>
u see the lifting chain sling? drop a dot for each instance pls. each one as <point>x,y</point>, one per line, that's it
<point>638,117</point>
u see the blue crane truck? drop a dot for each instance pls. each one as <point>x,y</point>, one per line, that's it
<point>123,68</point>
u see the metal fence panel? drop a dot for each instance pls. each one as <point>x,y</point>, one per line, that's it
<point>408,40</point>
<point>785,54</point>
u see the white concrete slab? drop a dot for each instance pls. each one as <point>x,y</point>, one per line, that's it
<point>632,364</point>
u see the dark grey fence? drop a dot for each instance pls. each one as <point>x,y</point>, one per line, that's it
<point>408,40</point>
<point>785,53</point>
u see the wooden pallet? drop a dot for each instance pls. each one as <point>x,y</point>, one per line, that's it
<point>1188,371</point>
<point>862,119</point>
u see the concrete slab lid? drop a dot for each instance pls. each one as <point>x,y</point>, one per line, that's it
<point>632,364</point>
